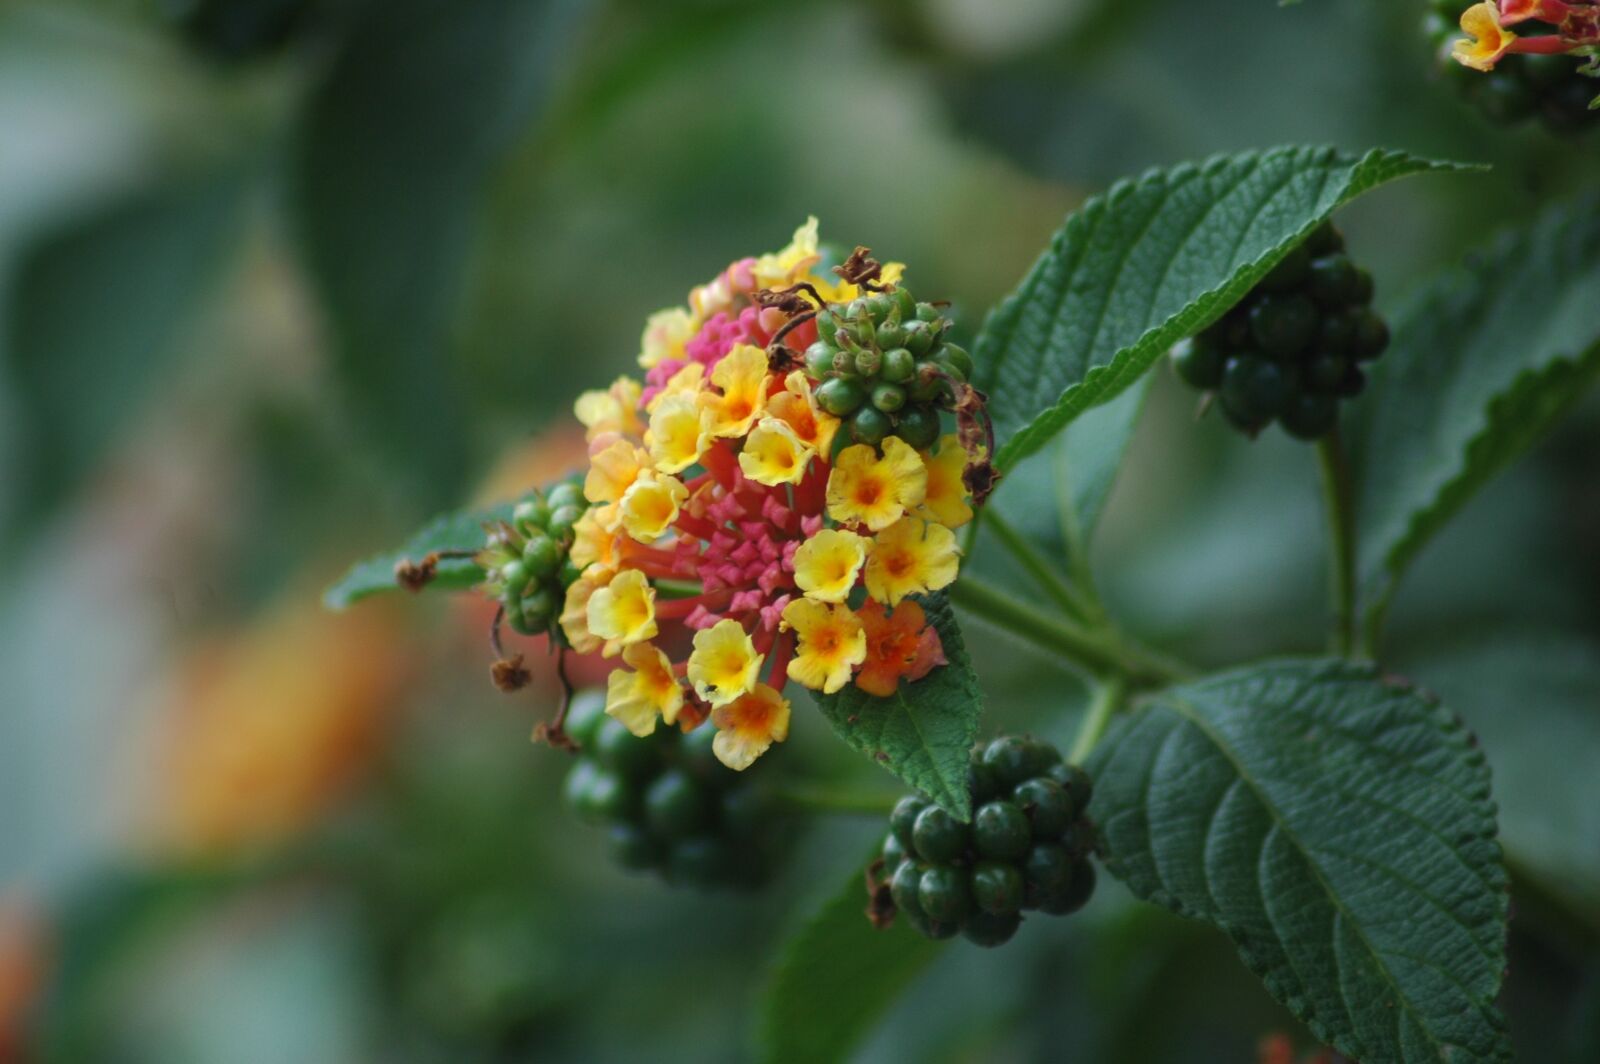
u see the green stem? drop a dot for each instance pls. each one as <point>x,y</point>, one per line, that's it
<point>1108,698</point>
<point>1041,570</point>
<point>1102,651</point>
<point>1340,511</point>
<point>837,803</point>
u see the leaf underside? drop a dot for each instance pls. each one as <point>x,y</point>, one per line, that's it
<point>924,732</point>
<point>1149,262</point>
<point>1339,829</point>
<point>460,530</point>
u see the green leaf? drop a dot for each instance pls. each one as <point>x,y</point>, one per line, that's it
<point>1151,261</point>
<point>1482,364</point>
<point>924,732</point>
<point>1531,699</point>
<point>400,141</point>
<point>461,530</point>
<point>1339,829</point>
<point>836,977</point>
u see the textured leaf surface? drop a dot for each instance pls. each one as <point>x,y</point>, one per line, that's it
<point>462,530</point>
<point>1482,364</point>
<point>925,731</point>
<point>837,976</point>
<point>1340,831</point>
<point>1148,263</point>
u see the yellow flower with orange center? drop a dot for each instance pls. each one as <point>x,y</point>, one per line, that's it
<point>797,406</point>
<point>947,495</point>
<point>773,454</point>
<point>748,726</point>
<point>593,543</point>
<point>742,376</point>
<point>637,698</point>
<point>783,268</point>
<point>868,489</point>
<point>831,644</point>
<point>614,410</point>
<point>623,612</point>
<point>1487,41</point>
<point>724,663</point>
<point>911,557</point>
<point>574,619</point>
<point>665,333</point>
<point>612,470</point>
<point>689,381</point>
<point>680,432</point>
<point>650,505</point>
<point>827,564</point>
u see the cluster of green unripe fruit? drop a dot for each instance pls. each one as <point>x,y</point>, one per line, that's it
<point>1294,346</point>
<point>526,557</point>
<point>1027,847</point>
<point>668,805</point>
<point>1520,87</point>
<point>885,366</point>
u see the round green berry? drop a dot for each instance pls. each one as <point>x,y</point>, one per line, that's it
<point>1353,384</point>
<point>1199,361</point>
<point>844,361</point>
<point>981,782</point>
<point>584,714</point>
<point>1289,273</point>
<point>1372,335</point>
<point>540,608</point>
<point>938,836</point>
<point>1254,390</point>
<point>904,302</point>
<point>577,786</point>
<point>1324,240</point>
<point>902,821</point>
<point>841,396</point>
<point>1001,831</point>
<point>904,886</point>
<point>827,326</point>
<point>927,312</point>
<point>1333,281</point>
<point>944,894</point>
<point>1077,783</point>
<point>899,365</point>
<point>1310,415</point>
<point>1078,839</point>
<point>524,621</point>
<point>893,852</point>
<point>564,494</point>
<point>878,306</point>
<point>1283,325</point>
<point>918,337</point>
<point>542,556</point>
<point>997,887</point>
<point>927,384</point>
<point>890,334</point>
<point>991,929</point>
<point>530,514</point>
<point>958,360</point>
<point>1337,334</point>
<point>1366,287</point>
<point>619,750</point>
<point>633,848</point>
<point>819,358</point>
<point>675,806</point>
<point>868,361</point>
<point>1046,873</point>
<point>1076,893</point>
<point>888,397</point>
<point>918,426</point>
<point>1325,373</point>
<point>870,425</point>
<point>1046,804</point>
<point>562,520</point>
<point>1014,758</point>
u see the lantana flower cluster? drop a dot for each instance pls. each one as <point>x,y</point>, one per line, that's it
<point>1490,37</point>
<point>735,540</point>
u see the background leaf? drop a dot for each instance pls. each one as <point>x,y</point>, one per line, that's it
<point>1340,830</point>
<point>398,144</point>
<point>1147,263</point>
<point>1483,362</point>
<point>461,530</point>
<point>925,731</point>
<point>836,978</point>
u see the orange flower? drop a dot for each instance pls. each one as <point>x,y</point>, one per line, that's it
<point>902,644</point>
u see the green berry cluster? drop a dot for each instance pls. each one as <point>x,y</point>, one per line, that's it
<point>884,363</point>
<point>1520,87</point>
<point>526,558</point>
<point>1293,347</point>
<point>1027,847</point>
<point>668,804</point>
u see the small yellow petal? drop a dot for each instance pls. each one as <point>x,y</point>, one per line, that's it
<point>946,498</point>
<point>832,642</point>
<point>868,489</point>
<point>774,455</point>
<point>680,432</point>
<point>749,725</point>
<point>827,564</point>
<point>623,612</point>
<point>724,663</point>
<point>650,506</point>
<point>911,557</point>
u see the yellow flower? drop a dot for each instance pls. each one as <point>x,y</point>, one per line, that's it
<point>827,564</point>
<point>911,557</point>
<point>946,499</point>
<point>593,543</point>
<point>724,662</point>
<point>623,612</point>
<point>783,268</point>
<point>687,381</point>
<point>742,376</point>
<point>832,644</point>
<point>575,610</point>
<point>773,454</point>
<point>637,698</point>
<point>1489,40</point>
<point>866,489</point>
<point>748,726</point>
<point>665,333</point>
<point>680,432</point>
<point>796,405</point>
<point>612,470</point>
<point>650,505</point>
<point>614,410</point>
